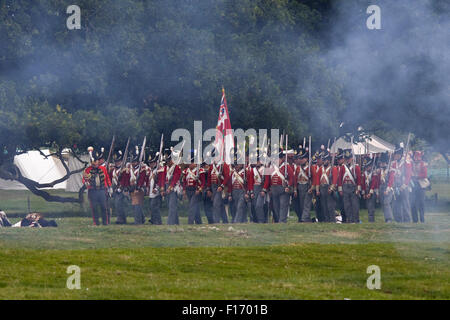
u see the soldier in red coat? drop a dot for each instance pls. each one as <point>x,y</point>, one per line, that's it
<point>370,185</point>
<point>258,199</point>
<point>337,170</point>
<point>421,183</point>
<point>171,183</point>
<point>323,184</point>
<point>303,185</point>
<point>386,186</point>
<point>280,181</point>
<point>207,201</point>
<point>138,187</point>
<point>193,185</point>
<point>97,181</point>
<point>240,185</point>
<point>218,175</point>
<point>120,184</point>
<point>402,166</point>
<point>349,186</point>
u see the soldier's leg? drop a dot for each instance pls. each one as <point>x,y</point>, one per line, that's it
<point>355,205</point>
<point>172,199</point>
<point>342,208</point>
<point>414,207</point>
<point>275,198</point>
<point>191,209</point>
<point>266,208</point>
<point>323,203</point>
<point>420,195</point>
<point>232,208</point>
<point>237,206</point>
<point>224,212</point>
<point>387,207</point>
<point>119,208</point>
<point>298,207</point>
<point>101,195</point>
<point>137,214</point>
<point>396,206</point>
<point>198,217</point>
<point>331,207</point>
<point>259,207</point>
<point>93,204</point>
<point>284,206</point>
<point>217,204</point>
<point>370,203</point>
<point>207,206</point>
<point>406,206</point>
<point>155,204</point>
<point>347,198</point>
<point>307,206</point>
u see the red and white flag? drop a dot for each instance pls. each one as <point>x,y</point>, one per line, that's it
<point>224,142</point>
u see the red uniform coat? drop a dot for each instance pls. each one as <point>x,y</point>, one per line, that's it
<point>190,178</point>
<point>275,179</point>
<point>345,178</point>
<point>214,176</point>
<point>175,178</point>
<point>420,170</point>
<point>105,182</point>
<point>370,183</point>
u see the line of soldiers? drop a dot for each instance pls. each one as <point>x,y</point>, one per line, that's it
<point>237,193</point>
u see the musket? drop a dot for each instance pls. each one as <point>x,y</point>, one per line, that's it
<point>304,142</point>
<point>353,158</point>
<point>389,173</point>
<point>328,146</point>
<point>333,157</point>
<point>286,160</point>
<point>141,156</point>
<point>309,158</point>
<point>124,160</point>
<point>407,148</point>
<point>111,148</point>
<point>158,162</point>
<point>282,139</point>
<point>199,161</point>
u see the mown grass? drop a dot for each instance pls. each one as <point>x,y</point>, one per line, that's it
<point>301,271</point>
<point>239,261</point>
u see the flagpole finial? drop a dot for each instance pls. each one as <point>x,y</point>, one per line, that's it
<point>223,89</point>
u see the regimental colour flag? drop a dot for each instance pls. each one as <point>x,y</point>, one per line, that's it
<point>224,142</point>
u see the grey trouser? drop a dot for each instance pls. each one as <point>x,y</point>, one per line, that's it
<point>97,200</point>
<point>418,203</point>
<point>208,207</point>
<point>172,205</point>
<point>386,201</point>
<point>119,206</point>
<point>239,206</point>
<point>155,207</point>
<point>194,206</point>
<point>370,203</point>
<point>327,204</point>
<point>139,217</point>
<point>351,203</point>
<point>305,202</point>
<point>402,206</point>
<point>280,203</point>
<point>258,204</point>
<point>218,206</point>
<point>340,205</point>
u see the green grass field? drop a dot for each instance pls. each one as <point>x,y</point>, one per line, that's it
<point>239,261</point>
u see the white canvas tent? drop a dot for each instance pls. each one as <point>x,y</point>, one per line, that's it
<point>74,183</point>
<point>373,145</point>
<point>35,166</point>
